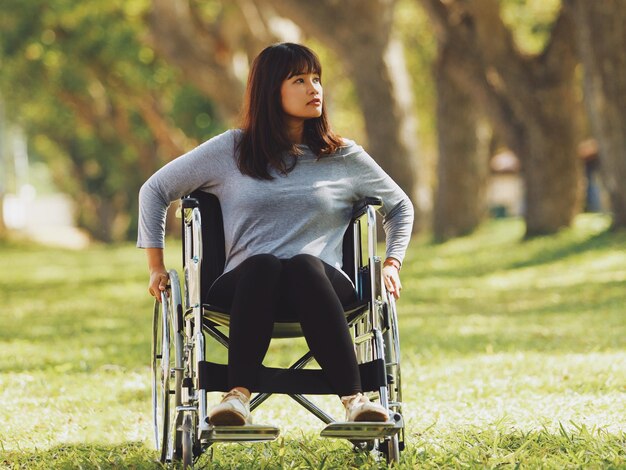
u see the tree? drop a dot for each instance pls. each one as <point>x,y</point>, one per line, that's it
<point>601,35</point>
<point>530,101</point>
<point>206,40</point>
<point>460,198</point>
<point>360,32</point>
<point>94,99</point>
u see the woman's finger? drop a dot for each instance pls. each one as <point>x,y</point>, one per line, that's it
<point>390,284</point>
<point>158,284</point>
<point>397,286</point>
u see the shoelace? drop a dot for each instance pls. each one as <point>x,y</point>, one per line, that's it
<point>351,401</point>
<point>235,394</point>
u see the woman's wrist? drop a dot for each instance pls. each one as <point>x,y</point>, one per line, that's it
<point>393,262</point>
<point>155,260</point>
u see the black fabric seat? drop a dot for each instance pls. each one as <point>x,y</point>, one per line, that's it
<point>214,260</point>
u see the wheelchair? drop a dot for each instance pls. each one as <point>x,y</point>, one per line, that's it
<point>184,327</point>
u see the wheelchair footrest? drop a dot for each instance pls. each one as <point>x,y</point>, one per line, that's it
<point>248,433</point>
<point>362,430</point>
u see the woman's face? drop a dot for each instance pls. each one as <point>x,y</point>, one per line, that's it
<point>302,96</point>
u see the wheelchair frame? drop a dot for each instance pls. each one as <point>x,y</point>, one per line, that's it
<point>180,322</point>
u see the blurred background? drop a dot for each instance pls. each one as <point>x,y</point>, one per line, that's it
<point>483,108</point>
<point>514,351</point>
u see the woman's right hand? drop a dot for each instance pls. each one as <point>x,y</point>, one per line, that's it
<point>158,283</point>
<point>158,274</point>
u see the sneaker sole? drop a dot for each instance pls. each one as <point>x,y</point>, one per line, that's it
<point>371,416</point>
<point>227,418</point>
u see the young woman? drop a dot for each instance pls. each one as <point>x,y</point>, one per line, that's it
<point>286,184</point>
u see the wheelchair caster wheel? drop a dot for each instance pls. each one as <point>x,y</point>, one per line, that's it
<point>187,438</point>
<point>390,448</point>
<point>363,446</point>
<point>192,447</point>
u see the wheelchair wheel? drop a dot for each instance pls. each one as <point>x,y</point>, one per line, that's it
<point>165,366</point>
<point>392,446</point>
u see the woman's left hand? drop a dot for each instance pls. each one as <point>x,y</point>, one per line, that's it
<point>391,277</point>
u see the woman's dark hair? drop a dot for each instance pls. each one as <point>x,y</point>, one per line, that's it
<point>265,141</point>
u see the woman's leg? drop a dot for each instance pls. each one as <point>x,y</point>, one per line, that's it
<point>315,291</point>
<point>250,292</point>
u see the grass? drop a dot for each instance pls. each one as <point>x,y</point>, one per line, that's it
<point>514,355</point>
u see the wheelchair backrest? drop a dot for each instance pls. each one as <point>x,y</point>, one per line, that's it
<point>213,245</point>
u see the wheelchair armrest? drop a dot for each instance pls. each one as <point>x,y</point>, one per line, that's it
<point>190,202</point>
<point>360,207</point>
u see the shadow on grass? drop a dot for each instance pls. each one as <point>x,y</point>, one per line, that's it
<point>494,446</point>
<point>131,455</point>
<point>501,446</point>
<point>483,257</point>
<point>304,452</point>
<point>600,241</point>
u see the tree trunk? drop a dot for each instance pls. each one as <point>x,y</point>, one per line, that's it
<point>383,88</point>
<point>551,169</point>
<point>206,52</point>
<point>462,166</point>
<point>529,100</point>
<point>601,35</point>
<point>360,33</point>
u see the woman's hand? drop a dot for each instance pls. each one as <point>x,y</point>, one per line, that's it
<point>158,283</point>
<point>391,276</point>
<point>158,274</point>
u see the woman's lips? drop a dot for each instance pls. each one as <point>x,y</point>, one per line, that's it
<point>316,102</point>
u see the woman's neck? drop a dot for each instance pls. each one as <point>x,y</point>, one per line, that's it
<point>295,131</point>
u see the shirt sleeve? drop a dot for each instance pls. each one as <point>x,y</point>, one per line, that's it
<point>198,169</point>
<point>369,179</point>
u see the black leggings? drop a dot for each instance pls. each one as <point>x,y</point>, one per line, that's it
<point>264,289</point>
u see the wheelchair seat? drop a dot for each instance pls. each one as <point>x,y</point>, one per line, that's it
<point>214,259</point>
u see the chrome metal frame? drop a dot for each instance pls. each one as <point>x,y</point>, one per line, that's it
<point>193,266</point>
<point>373,337</point>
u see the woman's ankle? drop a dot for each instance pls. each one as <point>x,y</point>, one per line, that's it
<point>346,399</point>
<point>243,390</point>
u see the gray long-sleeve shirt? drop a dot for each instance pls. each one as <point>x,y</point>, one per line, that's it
<point>306,211</point>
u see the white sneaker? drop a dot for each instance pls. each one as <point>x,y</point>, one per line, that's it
<point>234,410</point>
<point>360,408</point>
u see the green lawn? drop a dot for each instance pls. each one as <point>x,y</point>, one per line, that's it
<point>514,355</point>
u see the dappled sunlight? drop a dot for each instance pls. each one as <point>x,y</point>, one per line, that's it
<point>68,407</point>
<point>529,391</point>
<point>496,347</point>
<point>589,268</point>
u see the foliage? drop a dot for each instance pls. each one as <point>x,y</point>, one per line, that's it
<point>104,110</point>
<point>513,356</point>
<point>340,95</point>
<point>530,21</point>
<point>96,103</point>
